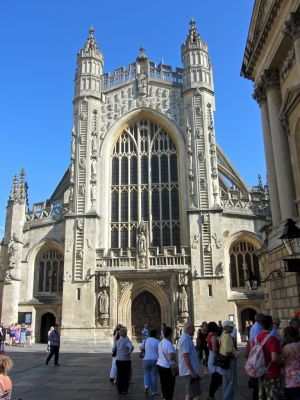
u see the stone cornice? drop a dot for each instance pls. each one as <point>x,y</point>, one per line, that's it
<point>256,41</point>
<point>292,26</point>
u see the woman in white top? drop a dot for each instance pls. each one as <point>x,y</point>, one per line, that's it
<point>166,358</point>
<point>150,349</point>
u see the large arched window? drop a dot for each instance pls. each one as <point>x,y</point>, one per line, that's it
<point>50,272</point>
<point>144,185</point>
<point>242,259</point>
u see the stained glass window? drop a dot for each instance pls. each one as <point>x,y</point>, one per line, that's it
<point>144,149</point>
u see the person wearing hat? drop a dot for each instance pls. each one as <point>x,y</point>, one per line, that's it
<point>227,348</point>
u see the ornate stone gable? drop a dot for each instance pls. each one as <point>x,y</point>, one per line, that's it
<point>165,99</point>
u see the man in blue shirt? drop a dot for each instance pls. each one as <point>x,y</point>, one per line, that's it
<point>189,366</point>
<point>145,332</point>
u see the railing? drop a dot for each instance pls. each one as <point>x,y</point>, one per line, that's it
<point>162,73</point>
<point>117,259</point>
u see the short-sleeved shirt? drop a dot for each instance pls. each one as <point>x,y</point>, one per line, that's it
<point>226,344</point>
<point>164,348</point>
<point>186,346</point>
<point>123,346</point>
<point>271,346</point>
<point>150,346</point>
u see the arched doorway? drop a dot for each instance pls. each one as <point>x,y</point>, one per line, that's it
<point>145,310</point>
<point>47,320</point>
<point>248,314</point>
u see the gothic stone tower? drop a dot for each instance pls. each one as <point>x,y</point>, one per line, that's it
<point>151,223</point>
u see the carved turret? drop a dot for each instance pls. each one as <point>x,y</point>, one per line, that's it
<point>195,59</point>
<point>90,63</point>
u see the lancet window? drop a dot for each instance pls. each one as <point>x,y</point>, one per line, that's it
<point>50,271</point>
<point>242,260</point>
<point>144,185</point>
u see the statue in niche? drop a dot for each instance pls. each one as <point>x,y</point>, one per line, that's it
<point>82,162</point>
<point>73,146</point>
<point>93,194</point>
<point>12,248</point>
<point>94,145</point>
<point>103,302</point>
<point>183,301</point>
<point>142,241</point>
<point>104,280</point>
<point>93,167</point>
<point>142,84</point>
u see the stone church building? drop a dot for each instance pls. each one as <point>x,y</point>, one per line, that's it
<point>151,222</point>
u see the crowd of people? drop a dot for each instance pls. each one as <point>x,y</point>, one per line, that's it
<point>15,335</point>
<point>167,354</point>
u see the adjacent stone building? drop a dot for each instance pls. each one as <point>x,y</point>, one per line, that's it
<point>151,223</point>
<point>272,61</point>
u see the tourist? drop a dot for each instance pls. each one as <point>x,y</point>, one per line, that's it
<point>124,348</point>
<point>145,332</point>
<point>113,370</point>
<point>22,337</point>
<point>227,348</point>
<point>28,336</point>
<point>291,354</point>
<point>166,359</point>
<point>213,347</point>
<point>201,344</point>
<point>2,339</point>
<point>189,366</point>
<point>255,330</point>
<point>270,384</point>
<point>5,382</point>
<point>54,340</point>
<point>150,349</point>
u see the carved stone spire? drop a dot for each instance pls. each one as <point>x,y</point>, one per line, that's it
<point>13,191</point>
<point>91,44</point>
<point>23,188</point>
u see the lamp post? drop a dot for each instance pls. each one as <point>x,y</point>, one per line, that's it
<point>291,241</point>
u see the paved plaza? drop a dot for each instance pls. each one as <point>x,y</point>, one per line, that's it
<point>84,374</point>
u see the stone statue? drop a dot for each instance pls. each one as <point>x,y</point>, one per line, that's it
<point>183,301</point>
<point>93,167</point>
<point>12,248</point>
<point>142,241</point>
<point>94,145</point>
<point>104,280</point>
<point>103,302</point>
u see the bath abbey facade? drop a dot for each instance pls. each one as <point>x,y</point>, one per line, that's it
<point>151,222</point>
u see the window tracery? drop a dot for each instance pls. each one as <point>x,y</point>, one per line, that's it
<point>50,271</point>
<point>144,185</point>
<point>242,259</point>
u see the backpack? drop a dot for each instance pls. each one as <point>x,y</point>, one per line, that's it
<point>256,364</point>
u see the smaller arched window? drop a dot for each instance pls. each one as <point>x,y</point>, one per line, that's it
<point>50,270</point>
<point>242,260</point>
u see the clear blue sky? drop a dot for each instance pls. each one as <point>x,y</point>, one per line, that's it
<point>39,41</point>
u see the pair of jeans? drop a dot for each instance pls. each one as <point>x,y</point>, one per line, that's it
<point>229,381</point>
<point>167,382</point>
<point>123,374</point>
<point>150,375</point>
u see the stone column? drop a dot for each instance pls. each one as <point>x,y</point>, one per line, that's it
<point>282,159</point>
<point>292,30</point>
<point>260,96</point>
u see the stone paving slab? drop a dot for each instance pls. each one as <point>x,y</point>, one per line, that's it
<point>84,374</point>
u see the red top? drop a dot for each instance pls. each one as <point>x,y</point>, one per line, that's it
<point>208,339</point>
<point>271,346</point>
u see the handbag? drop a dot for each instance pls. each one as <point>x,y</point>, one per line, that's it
<point>114,353</point>
<point>222,361</point>
<point>174,370</point>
